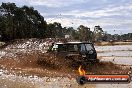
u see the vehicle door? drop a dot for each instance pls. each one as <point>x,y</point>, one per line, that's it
<point>61,51</point>
<point>73,51</point>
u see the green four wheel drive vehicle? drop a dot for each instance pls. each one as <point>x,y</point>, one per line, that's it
<point>77,51</point>
<point>83,50</point>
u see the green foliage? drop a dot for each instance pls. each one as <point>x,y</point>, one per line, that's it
<point>24,22</point>
<point>55,30</point>
<point>75,35</point>
<point>98,33</point>
<point>83,34</point>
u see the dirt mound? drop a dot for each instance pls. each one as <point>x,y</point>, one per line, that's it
<point>17,48</point>
<point>24,51</point>
<point>31,44</point>
<point>22,55</point>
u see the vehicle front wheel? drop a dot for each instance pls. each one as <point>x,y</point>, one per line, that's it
<point>81,80</point>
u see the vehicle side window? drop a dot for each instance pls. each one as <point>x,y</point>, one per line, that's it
<point>75,47</point>
<point>72,48</point>
<point>61,47</point>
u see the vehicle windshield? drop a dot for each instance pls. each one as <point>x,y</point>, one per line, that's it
<point>89,47</point>
<point>86,47</point>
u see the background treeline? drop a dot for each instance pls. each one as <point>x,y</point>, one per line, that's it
<point>25,22</point>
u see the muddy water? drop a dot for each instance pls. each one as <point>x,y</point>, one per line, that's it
<point>119,54</point>
<point>118,60</point>
<point>114,48</point>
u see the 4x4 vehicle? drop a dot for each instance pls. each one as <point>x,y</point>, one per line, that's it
<point>77,51</point>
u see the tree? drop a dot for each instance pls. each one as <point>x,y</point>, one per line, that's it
<point>98,33</point>
<point>55,30</point>
<point>84,33</point>
<point>75,35</point>
<point>21,22</point>
<point>7,26</point>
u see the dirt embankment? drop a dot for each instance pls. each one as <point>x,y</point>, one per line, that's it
<point>21,58</point>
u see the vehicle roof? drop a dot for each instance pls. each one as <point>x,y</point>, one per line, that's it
<point>72,42</point>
